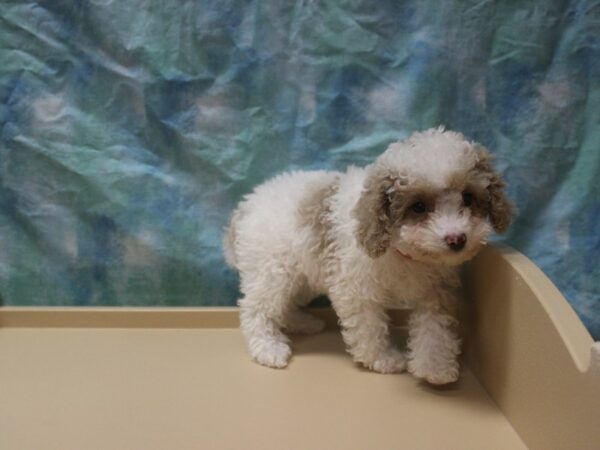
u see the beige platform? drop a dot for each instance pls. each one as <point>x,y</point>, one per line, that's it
<point>181,379</point>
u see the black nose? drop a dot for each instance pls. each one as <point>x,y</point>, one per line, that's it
<point>456,242</point>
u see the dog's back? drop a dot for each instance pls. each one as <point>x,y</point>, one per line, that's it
<point>267,220</point>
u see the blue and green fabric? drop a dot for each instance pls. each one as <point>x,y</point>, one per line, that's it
<point>129,130</point>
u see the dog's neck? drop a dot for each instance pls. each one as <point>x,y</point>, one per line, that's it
<point>403,255</point>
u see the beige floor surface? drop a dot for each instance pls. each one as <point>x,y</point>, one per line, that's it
<point>112,389</point>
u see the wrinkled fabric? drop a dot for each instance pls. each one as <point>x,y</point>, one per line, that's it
<point>129,130</point>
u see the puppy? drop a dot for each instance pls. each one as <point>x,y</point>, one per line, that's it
<point>391,234</point>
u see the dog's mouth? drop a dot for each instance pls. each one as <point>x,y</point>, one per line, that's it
<point>438,256</point>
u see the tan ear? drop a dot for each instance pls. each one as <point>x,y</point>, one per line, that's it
<point>372,211</point>
<point>500,209</point>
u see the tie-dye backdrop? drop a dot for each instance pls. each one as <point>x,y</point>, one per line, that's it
<point>130,129</point>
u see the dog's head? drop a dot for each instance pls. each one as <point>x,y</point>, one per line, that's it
<point>433,198</point>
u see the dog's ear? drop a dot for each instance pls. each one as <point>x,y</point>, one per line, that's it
<point>372,211</point>
<point>499,208</point>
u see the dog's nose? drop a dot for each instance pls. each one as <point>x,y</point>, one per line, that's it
<point>456,242</point>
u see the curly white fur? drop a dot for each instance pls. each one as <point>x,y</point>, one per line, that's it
<point>360,238</point>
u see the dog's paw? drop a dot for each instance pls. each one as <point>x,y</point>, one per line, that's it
<point>392,361</point>
<point>300,322</point>
<point>435,375</point>
<point>273,353</point>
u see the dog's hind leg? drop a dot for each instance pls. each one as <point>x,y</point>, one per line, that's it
<point>263,313</point>
<point>266,342</point>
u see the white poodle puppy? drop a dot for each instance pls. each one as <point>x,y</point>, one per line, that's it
<point>391,234</point>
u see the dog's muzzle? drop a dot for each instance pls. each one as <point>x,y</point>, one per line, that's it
<point>456,242</point>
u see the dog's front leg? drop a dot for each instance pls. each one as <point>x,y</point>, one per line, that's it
<point>433,344</point>
<point>366,334</point>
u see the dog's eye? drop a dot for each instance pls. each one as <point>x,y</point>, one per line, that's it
<point>467,198</point>
<point>419,207</point>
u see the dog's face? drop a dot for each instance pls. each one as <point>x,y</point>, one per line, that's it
<point>433,198</point>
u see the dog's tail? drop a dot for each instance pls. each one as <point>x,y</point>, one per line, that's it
<point>229,240</point>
